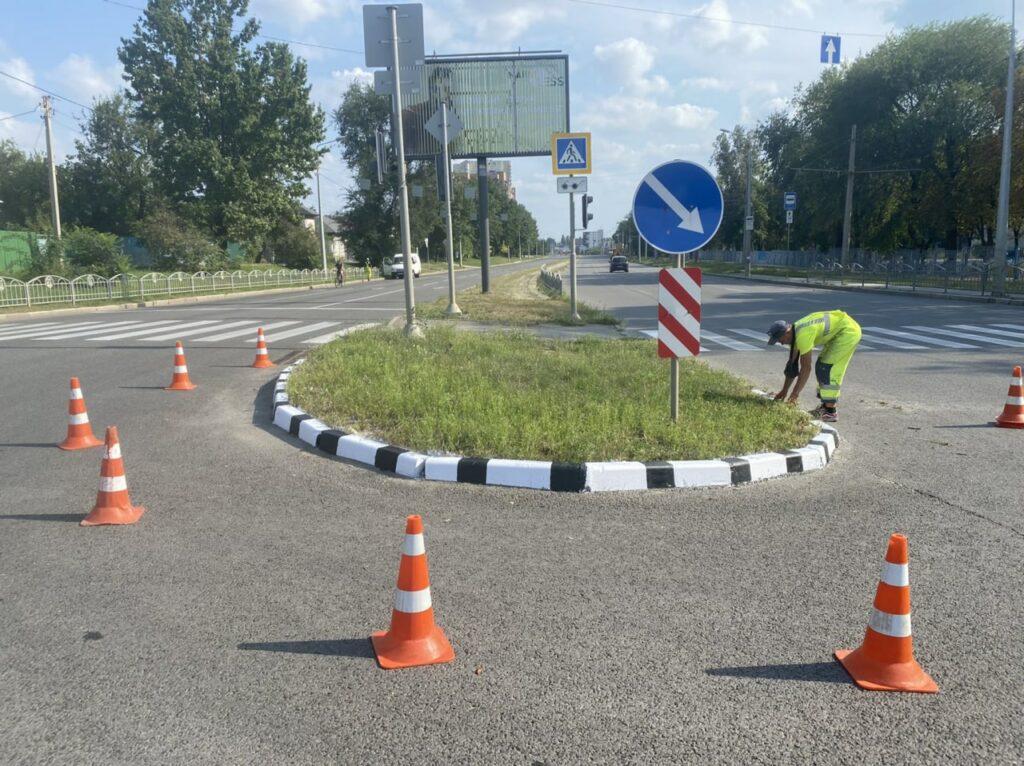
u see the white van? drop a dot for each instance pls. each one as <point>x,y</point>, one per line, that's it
<point>394,267</point>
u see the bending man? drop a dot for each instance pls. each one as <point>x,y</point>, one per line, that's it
<point>838,335</point>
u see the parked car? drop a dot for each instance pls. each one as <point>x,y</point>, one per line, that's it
<point>619,263</point>
<point>394,267</point>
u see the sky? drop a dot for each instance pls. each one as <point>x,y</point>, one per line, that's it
<point>652,80</point>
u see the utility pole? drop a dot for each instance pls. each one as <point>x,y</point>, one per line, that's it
<point>748,218</point>
<point>573,313</point>
<point>1003,211</point>
<point>848,212</point>
<point>403,191</point>
<point>320,218</point>
<point>54,201</point>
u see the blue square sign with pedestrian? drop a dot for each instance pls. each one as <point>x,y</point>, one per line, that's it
<point>570,153</point>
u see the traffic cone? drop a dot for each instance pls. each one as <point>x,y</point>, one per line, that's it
<point>180,381</point>
<point>262,357</point>
<point>885,661</point>
<point>1012,415</point>
<point>413,638</point>
<point>80,434</point>
<point>112,503</point>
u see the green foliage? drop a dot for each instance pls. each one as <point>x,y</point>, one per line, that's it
<point>295,246</point>
<point>108,184</point>
<point>46,257</point>
<point>24,187</point>
<point>91,251</point>
<point>237,131</point>
<point>178,245</point>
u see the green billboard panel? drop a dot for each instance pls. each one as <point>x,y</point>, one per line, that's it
<point>509,105</point>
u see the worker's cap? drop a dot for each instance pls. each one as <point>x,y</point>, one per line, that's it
<point>776,331</point>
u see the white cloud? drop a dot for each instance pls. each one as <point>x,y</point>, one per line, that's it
<point>298,14</point>
<point>719,30</point>
<point>690,115</point>
<point>706,83</point>
<point>630,60</point>
<point>502,22</point>
<point>18,67</point>
<point>83,81</point>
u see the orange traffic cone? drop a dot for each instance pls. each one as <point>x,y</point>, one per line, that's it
<point>413,639</point>
<point>112,503</point>
<point>885,661</point>
<point>180,381</point>
<point>80,434</point>
<point>1012,415</point>
<point>262,357</point>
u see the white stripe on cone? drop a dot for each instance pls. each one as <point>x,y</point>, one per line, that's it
<point>113,484</point>
<point>412,601</point>
<point>79,419</point>
<point>1015,401</point>
<point>114,451</point>
<point>76,393</point>
<point>413,545</point>
<point>894,625</point>
<point>180,368</point>
<point>897,575</point>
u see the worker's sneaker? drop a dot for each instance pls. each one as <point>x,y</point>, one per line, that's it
<point>829,416</point>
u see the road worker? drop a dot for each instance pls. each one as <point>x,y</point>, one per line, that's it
<point>838,335</point>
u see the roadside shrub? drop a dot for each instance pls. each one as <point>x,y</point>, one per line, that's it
<point>46,256</point>
<point>91,251</point>
<point>294,246</point>
<point>178,245</point>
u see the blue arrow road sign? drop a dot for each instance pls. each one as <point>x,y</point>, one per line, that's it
<point>830,49</point>
<point>789,201</point>
<point>678,207</point>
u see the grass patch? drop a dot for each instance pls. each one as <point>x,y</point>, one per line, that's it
<point>511,395</point>
<point>515,299</point>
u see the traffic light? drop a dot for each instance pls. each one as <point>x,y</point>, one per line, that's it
<point>587,217</point>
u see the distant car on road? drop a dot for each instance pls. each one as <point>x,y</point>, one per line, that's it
<point>618,263</point>
<point>394,267</point>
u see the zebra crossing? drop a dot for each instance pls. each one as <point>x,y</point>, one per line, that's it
<point>959,337</point>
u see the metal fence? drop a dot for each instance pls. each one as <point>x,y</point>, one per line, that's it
<point>552,280</point>
<point>937,270</point>
<point>51,289</point>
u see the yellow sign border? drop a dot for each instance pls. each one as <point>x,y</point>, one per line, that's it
<point>554,157</point>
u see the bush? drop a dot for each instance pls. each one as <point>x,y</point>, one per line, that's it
<point>46,256</point>
<point>295,246</point>
<point>178,245</point>
<point>91,251</point>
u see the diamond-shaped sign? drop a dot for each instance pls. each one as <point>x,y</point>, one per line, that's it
<point>434,127</point>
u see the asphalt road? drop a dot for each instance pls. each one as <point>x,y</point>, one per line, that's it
<point>230,624</point>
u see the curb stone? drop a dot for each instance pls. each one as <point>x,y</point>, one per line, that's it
<point>552,476</point>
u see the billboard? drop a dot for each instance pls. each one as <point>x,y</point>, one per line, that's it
<point>509,105</point>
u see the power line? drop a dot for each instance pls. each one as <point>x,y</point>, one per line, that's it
<point>22,114</point>
<point>265,37</point>
<point>698,17</point>
<point>44,90</point>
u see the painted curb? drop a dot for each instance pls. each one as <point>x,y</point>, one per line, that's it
<point>538,474</point>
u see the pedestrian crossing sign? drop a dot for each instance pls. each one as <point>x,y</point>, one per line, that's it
<point>570,153</point>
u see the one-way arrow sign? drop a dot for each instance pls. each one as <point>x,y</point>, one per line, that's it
<point>830,49</point>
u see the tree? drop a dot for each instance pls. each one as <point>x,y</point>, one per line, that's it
<point>235,132</point>
<point>109,180</point>
<point>95,252</point>
<point>24,187</point>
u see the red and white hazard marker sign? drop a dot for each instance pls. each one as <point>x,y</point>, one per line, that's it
<point>678,313</point>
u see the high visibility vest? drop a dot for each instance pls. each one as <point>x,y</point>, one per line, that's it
<point>818,328</point>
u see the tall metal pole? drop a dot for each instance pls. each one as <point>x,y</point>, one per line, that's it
<point>573,313</point>
<point>674,367</point>
<point>1003,211</point>
<point>403,192</point>
<point>453,307</point>
<point>747,230</point>
<point>320,216</point>
<point>848,212</point>
<point>54,201</point>
<point>483,226</point>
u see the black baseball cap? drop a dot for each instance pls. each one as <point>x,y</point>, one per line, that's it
<point>776,331</point>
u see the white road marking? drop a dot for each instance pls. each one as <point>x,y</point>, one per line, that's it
<point>251,329</point>
<point>272,337</point>
<point>91,330</point>
<point>176,334</point>
<point>736,345</point>
<point>980,328</point>
<point>969,336</point>
<point>50,330</point>
<point>917,337</point>
<point>151,329</point>
<point>895,343</point>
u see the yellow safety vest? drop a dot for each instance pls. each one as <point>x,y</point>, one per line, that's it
<point>818,329</point>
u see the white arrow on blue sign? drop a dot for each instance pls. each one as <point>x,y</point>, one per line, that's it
<point>830,49</point>
<point>678,207</point>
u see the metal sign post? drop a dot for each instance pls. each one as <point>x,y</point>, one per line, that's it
<point>573,313</point>
<point>678,208</point>
<point>440,123</point>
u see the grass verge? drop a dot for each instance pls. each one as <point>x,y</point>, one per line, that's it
<point>515,299</point>
<point>511,395</point>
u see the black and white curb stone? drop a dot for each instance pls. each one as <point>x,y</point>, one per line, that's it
<point>539,474</point>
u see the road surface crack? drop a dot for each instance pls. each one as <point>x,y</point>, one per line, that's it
<point>968,511</point>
